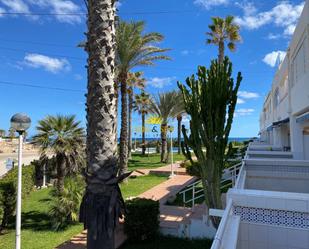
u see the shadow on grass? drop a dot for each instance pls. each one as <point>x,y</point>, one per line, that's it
<point>36,221</point>
<point>33,220</point>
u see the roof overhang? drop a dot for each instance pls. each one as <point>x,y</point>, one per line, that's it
<point>302,118</point>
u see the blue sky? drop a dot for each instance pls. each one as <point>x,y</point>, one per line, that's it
<point>42,51</point>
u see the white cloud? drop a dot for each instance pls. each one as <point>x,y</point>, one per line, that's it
<point>272,58</point>
<point>118,4</point>
<point>17,6</point>
<point>272,36</point>
<point>207,4</point>
<point>185,119</point>
<point>185,52</point>
<point>243,112</point>
<point>157,82</point>
<point>61,7</point>
<point>78,77</point>
<point>248,95</point>
<point>50,64</point>
<point>284,15</point>
<point>1,11</point>
<point>240,101</point>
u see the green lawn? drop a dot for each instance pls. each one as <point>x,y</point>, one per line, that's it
<point>36,226</point>
<point>169,243</point>
<point>139,161</point>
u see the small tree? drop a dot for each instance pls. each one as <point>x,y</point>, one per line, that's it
<point>142,105</point>
<point>166,106</point>
<point>61,137</point>
<point>210,100</point>
<point>135,80</point>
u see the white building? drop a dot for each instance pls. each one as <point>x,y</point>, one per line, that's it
<point>284,120</point>
<point>269,205</point>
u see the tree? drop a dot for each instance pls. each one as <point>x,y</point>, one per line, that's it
<point>102,204</point>
<point>2,133</point>
<point>142,105</point>
<point>210,100</point>
<point>134,48</point>
<point>222,30</point>
<point>166,106</point>
<point>135,80</point>
<point>61,137</point>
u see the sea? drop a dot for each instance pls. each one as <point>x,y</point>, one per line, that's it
<point>231,139</point>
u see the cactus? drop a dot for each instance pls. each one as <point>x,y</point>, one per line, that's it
<point>210,100</point>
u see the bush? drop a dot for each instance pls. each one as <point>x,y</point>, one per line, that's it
<point>142,219</point>
<point>8,189</point>
<point>65,205</point>
<point>192,169</point>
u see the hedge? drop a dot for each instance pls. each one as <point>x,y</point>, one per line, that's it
<point>142,219</point>
<point>8,189</point>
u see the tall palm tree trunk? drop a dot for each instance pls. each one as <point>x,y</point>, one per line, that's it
<point>143,134</point>
<point>221,52</point>
<point>60,172</point>
<point>130,108</point>
<point>123,148</point>
<point>163,143</point>
<point>102,203</point>
<point>179,119</point>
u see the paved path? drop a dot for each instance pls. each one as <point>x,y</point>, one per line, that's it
<point>166,170</point>
<point>27,158</point>
<point>169,215</point>
<point>168,188</point>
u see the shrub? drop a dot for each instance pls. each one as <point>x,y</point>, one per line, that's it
<point>7,203</point>
<point>65,205</point>
<point>8,189</point>
<point>142,219</point>
<point>192,169</point>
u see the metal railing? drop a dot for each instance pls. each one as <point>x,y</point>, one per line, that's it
<point>198,193</point>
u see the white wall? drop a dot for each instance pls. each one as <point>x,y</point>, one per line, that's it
<point>306,147</point>
<point>259,236</point>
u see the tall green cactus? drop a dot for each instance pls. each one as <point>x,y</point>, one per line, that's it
<point>210,100</point>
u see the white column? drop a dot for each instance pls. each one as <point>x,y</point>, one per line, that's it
<point>297,140</point>
<point>44,175</point>
<point>18,201</point>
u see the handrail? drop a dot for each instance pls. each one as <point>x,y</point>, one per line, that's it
<point>221,229</point>
<point>192,187</point>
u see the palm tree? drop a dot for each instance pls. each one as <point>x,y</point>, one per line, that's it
<point>102,203</point>
<point>222,30</point>
<point>166,106</point>
<point>141,105</point>
<point>135,80</point>
<point>62,138</point>
<point>134,48</point>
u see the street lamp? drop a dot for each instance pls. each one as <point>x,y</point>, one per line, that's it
<point>20,123</point>
<point>171,129</point>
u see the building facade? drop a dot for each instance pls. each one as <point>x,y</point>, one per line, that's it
<point>284,119</point>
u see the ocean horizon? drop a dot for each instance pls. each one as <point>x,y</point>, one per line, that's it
<point>231,139</point>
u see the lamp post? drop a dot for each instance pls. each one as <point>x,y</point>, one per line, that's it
<point>20,123</point>
<point>170,129</point>
<point>134,141</point>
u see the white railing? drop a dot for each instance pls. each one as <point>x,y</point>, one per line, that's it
<point>217,242</point>
<point>198,193</point>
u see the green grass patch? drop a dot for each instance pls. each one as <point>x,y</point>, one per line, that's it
<point>150,161</point>
<point>168,243</point>
<point>36,222</point>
